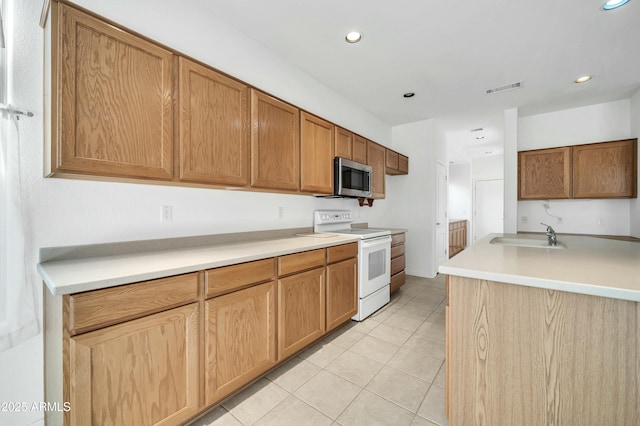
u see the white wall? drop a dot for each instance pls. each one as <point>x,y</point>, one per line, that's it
<point>412,197</point>
<point>510,169</point>
<point>634,210</point>
<point>460,191</point>
<point>66,212</point>
<point>489,167</point>
<point>593,123</point>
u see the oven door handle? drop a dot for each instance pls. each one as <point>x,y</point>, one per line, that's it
<point>372,242</point>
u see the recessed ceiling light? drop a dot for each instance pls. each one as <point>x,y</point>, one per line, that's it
<point>353,37</point>
<point>409,95</point>
<point>479,137</point>
<point>488,152</point>
<point>614,4</point>
<point>583,79</point>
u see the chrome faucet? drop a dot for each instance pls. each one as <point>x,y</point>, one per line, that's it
<point>551,235</point>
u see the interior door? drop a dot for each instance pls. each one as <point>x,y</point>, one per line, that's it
<point>488,208</point>
<point>441,213</point>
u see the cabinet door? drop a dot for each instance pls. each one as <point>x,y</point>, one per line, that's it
<point>343,143</point>
<point>214,127</point>
<point>403,164</point>
<point>544,174</point>
<point>605,170</point>
<point>359,149</point>
<point>301,310</point>
<point>240,339</point>
<point>316,154</point>
<point>113,113</point>
<point>275,143</point>
<point>142,372</point>
<point>342,292</point>
<point>391,162</point>
<point>376,159</point>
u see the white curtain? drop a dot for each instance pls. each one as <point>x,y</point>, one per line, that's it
<point>18,319</point>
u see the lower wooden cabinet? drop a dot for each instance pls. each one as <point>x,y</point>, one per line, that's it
<point>301,310</point>
<point>342,292</point>
<point>141,372</point>
<point>398,262</point>
<point>457,237</point>
<point>161,352</point>
<point>239,339</point>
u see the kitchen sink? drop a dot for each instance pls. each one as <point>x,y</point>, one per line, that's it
<point>526,242</point>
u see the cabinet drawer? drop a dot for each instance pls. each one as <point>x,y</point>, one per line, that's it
<point>300,261</point>
<point>397,265</point>
<point>397,251</point>
<point>345,251</point>
<point>100,308</point>
<point>230,278</point>
<point>397,239</point>
<point>397,281</point>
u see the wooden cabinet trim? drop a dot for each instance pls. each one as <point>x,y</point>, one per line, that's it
<point>297,262</point>
<point>100,308</point>
<point>341,252</point>
<point>234,277</point>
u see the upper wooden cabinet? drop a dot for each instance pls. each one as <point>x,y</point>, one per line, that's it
<point>214,126</point>
<point>359,149</point>
<point>376,159</point>
<point>275,143</point>
<point>113,106</point>
<point>599,170</point>
<point>316,154</point>
<point>605,170</point>
<point>344,142</point>
<point>396,164</point>
<point>544,174</point>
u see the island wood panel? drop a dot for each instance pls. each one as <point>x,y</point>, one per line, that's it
<point>544,174</point>
<point>343,146</point>
<point>214,126</point>
<point>113,113</point>
<point>316,154</point>
<point>275,143</point>
<point>142,372</point>
<point>240,339</point>
<point>376,159</point>
<point>230,278</point>
<point>301,310</point>
<point>530,356</point>
<point>99,308</point>
<point>605,170</point>
<point>359,149</point>
<point>342,292</point>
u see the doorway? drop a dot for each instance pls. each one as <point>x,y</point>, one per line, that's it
<point>488,207</point>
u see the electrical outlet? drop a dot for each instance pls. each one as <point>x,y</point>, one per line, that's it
<point>166,214</point>
<point>524,219</point>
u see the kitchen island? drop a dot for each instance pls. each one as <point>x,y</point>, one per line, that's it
<point>544,336</point>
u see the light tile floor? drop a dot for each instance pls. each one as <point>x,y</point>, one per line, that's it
<point>386,370</point>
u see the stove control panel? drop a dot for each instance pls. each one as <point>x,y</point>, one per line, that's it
<point>324,217</point>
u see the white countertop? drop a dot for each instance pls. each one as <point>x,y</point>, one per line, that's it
<point>589,265</point>
<point>82,274</point>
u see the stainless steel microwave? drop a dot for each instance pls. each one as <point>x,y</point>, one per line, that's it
<point>351,179</point>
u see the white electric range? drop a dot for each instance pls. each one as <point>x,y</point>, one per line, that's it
<point>374,258</point>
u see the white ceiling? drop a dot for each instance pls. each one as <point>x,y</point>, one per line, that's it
<point>449,52</point>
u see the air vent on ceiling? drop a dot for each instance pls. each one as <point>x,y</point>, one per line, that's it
<point>504,88</point>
